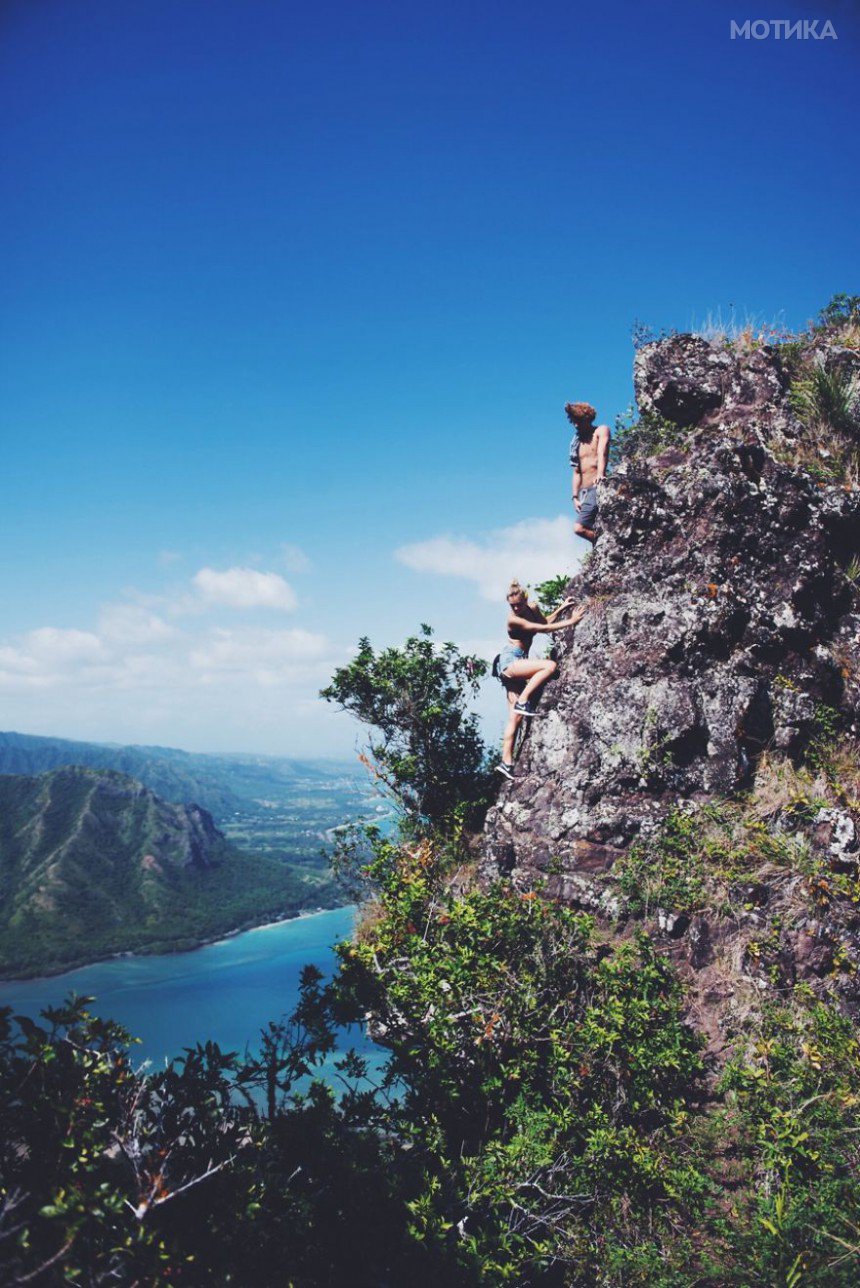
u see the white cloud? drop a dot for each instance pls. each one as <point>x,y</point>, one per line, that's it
<point>132,624</point>
<point>16,664</point>
<point>268,655</point>
<point>532,551</point>
<point>294,558</point>
<point>244,588</point>
<point>16,657</point>
<point>174,666</point>
<point>48,656</point>
<point>55,647</point>
<point>134,648</point>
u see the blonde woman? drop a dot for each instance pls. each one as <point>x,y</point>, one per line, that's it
<point>521,675</point>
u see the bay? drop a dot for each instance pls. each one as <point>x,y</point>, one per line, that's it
<point>227,991</point>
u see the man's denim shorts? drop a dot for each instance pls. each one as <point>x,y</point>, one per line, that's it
<point>587,512</point>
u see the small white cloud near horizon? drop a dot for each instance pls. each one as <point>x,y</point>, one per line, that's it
<point>531,551</point>
<point>141,656</point>
<point>244,588</point>
<point>210,658</point>
<point>44,656</point>
<point>294,558</point>
<point>53,646</point>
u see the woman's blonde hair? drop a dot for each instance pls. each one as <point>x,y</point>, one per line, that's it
<point>515,589</point>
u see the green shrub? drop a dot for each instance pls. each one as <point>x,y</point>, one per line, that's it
<point>551,593</point>
<point>828,398</point>
<point>427,750</point>
<point>791,1092</point>
<point>643,435</point>
<point>668,869</point>
<point>542,1075</point>
<point>841,309</point>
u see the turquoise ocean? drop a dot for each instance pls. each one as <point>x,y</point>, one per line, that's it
<point>226,992</point>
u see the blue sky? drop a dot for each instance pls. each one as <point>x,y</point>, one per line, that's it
<point>290,289</point>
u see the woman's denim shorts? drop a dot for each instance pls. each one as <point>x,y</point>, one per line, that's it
<point>510,653</point>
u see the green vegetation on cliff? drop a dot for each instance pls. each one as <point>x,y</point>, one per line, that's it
<point>548,1117</point>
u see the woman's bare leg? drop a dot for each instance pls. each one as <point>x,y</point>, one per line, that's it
<point>514,719</point>
<point>535,673</point>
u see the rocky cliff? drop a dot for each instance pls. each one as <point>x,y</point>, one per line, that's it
<point>719,655</point>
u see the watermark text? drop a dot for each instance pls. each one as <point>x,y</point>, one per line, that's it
<point>782,29</point>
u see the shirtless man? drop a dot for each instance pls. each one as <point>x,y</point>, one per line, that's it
<point>589,453</point>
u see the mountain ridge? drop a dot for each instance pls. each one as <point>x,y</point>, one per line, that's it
<point>94,863</point>
<point>220,783</point>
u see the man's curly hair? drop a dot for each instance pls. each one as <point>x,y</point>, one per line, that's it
<point>580,413</point>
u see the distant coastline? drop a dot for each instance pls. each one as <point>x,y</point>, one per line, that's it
<point>270,925</point>
<point>246,927</point>
<point>228,992</point>
<point>130,871</point>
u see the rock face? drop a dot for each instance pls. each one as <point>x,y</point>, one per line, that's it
<point>722,616</point>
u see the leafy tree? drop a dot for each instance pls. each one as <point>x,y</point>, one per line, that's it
<point>97,1161</point>
<point>551,593</point>
<point>213,1170</point>
<point>840,308</point>
<point>427,749</point>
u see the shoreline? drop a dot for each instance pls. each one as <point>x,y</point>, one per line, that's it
<point>296,916</point>
<point>128,954</point>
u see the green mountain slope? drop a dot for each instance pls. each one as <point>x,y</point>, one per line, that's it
<point>94,863</point>
<point>221,784</point>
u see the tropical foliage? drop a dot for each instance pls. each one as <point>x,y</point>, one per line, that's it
<point>426,749</point>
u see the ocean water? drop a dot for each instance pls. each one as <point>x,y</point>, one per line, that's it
<point>226,992</point>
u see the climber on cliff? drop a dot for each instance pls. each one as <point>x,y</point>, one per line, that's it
<point>589,454</point>
<point>521,675</point>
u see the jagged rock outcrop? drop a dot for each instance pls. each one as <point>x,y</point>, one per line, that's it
<point>723,618</point>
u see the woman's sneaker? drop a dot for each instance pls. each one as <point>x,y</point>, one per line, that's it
<point>507,770</point>
<point>524,709</point>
